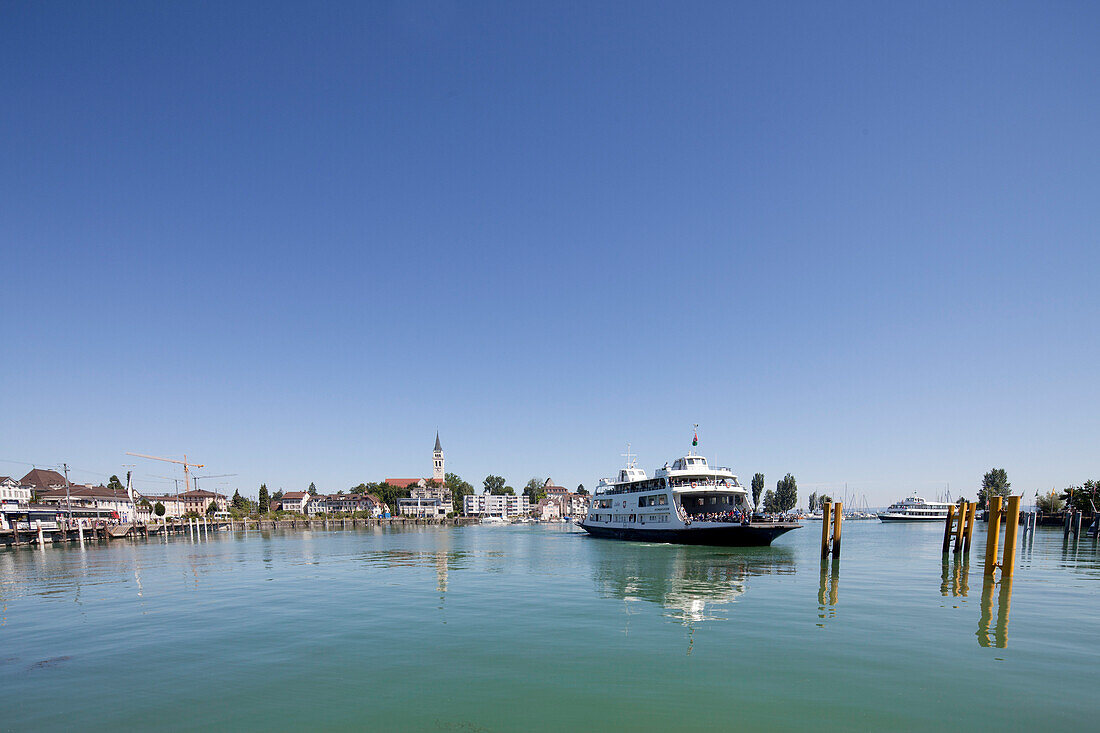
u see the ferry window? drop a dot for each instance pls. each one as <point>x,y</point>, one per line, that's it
<point>662,499</point>
<point>714,500</point>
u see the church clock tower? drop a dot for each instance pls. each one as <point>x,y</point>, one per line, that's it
<point>437,460</point>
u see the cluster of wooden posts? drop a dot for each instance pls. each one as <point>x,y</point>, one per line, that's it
<point>831,517</point>
<point>959,528</point>
<point>1072,524</point>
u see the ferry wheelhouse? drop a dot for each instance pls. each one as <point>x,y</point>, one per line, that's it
<point>687,503</point>
<point>915,509</point>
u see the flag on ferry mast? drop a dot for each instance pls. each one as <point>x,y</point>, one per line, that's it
<point>695,438</point>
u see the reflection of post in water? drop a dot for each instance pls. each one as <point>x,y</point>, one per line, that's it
<point>828,589</point>
<point>955,575</point>
<point>1004,603</point>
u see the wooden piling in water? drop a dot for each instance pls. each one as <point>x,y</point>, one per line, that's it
<point>838,517</point>
<point>1012,525</point>
<point>1068,522</point>
<point>826,524</point>
<point>959,529</point>
<point>947,529</point>
<point>993,537</point>
<point>969,525</point>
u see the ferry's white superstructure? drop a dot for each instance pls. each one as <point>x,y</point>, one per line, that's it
<point>915,509</point>
<point>687,502</point>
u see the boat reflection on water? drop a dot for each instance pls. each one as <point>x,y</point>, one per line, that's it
<point>999,638</point>
<point>691,583</point>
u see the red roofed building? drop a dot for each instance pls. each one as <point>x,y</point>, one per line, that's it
<point>295,501</point>
<point>42,479</point>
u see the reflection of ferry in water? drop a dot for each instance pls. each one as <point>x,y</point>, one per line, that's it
<point>686,503</point>
<point>690,583</point>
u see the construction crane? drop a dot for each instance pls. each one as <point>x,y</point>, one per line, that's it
<point>195,479</point>
<point>184,463</point>
<point>170,478</point>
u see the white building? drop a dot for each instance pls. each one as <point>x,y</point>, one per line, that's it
<point>93,497</point>
<point>174,507</point>
<point>498,505</point>
<point>344,504</point>
<point>295,501</point>
<point>12,494</point>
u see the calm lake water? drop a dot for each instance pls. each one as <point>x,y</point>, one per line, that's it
<point>539,627</point>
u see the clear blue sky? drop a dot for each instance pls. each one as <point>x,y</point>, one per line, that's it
<point>856,242</point>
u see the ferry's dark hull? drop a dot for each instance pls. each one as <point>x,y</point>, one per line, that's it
<point>722,535</point>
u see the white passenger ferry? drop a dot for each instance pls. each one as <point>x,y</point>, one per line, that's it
<point>686,503</point>
<point>915,509</point>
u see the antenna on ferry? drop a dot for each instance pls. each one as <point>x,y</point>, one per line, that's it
<point>629,457</point>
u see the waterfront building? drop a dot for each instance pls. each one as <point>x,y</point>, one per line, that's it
<point>548,509</point>
<point>198,501</point>
<point>345,504</point>
<point>550,489</point>
<point>295,501</point>
<point>173,507</point>
<point>563,503</point>
<point>424,504</point>
<point>42,479</point>
<point>497,505</point>
<point>102,498</point>
<point>12,493</point>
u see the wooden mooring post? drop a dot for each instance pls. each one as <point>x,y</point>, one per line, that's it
<point>1011,514</point>
<point>831,517</point>
<point>947,529</point>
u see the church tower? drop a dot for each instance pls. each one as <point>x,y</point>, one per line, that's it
<point>437,460</point>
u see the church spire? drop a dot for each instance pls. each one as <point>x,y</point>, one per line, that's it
<point>438,473</point>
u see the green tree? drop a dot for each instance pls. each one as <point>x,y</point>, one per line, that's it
<point>824,499</point>
<point>811,500</point>
<point>388,493</point>
<point>786,493</point>
<point>277,495</point>
<point>114,484</point>
<point>757,489</point>
<point>1083,498</point>
<point>459,490</point>
<point>239,502</point>
<point>770,505</point>
<point>159,509</point>
<point>494,484</point>
<point>581,490</point>
<point>265,500</point>
<point>994,483</point>
<point>212,508</point>
<point>312,489</point>
<point>533,490</point>
<point>1049,503</point>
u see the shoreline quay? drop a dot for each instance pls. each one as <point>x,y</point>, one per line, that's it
<point>34,536</point>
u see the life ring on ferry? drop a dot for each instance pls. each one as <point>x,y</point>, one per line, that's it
<point>693,484</point>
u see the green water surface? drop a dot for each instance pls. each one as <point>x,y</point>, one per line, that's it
<point>541,628</point>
